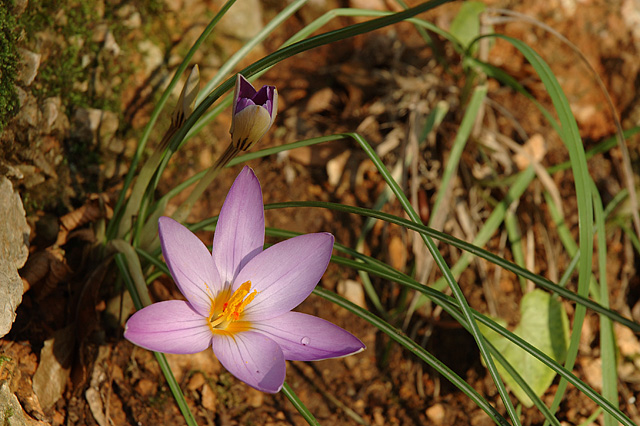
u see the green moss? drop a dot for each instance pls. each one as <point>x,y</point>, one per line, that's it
<point>63,72</point>
<point>8,63</point>
<point>8,413</point>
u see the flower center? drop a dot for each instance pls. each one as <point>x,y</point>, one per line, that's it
<point>232,308</point>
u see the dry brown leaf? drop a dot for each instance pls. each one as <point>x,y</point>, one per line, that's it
<point>397,253</point>
<point>53,371</point>
<point>533,150</point>
<point>96,207</point>
<point>47,267</point>
<point>320,101</point>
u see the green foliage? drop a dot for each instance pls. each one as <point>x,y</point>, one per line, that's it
<point>545,325</point>
<point>74,55</point>
<point>466,25</point>
<point>8,63</point>
<point>63,71</point>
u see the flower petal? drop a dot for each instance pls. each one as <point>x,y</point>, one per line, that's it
<point>190,264</point>
<point>249,126</point>
<point>253,358</point>
<point>239,234</point>
<point>273,106</point>
<point>172,327</point>
<point>307,338</point>
<point>285,274</point>
<point>244,89</point>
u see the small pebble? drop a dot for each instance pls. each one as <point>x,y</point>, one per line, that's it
<point>145,387</point>
<point>196,381</point>
<point>435,413</point>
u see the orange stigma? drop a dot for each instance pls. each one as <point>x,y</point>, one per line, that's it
<point>232,308</point>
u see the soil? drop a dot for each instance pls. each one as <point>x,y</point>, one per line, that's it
<point>382,85</point>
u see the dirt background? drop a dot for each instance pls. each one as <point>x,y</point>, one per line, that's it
<point>102,67</point>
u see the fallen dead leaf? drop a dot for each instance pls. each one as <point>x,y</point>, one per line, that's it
<point>320,101</point>
<point>53,371</point>
<point>533,150</point>
<point>397,253</point>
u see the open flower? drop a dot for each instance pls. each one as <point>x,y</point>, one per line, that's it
<point>253,113</point>
<point>240,297</point>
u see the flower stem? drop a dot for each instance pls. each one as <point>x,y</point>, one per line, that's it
<point>184,209</point>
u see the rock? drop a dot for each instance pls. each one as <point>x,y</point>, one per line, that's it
<point>368,4</point>
<point>99,33</point>
<point>28,66</point>
<point>29,114</point>
<point>95,125</point>
<point>54,119</point>
<point>436,413</point>
<point>19,6</point>
<point>14,250</point>
<point>196,381</point>
<point>152,56</point>
<point>255,398</point>
<point>11,413</point>
<point>110,45</point>
<point>129,16</point>
<point>353,292</point>
<point>209,398</point>
<point>22,96</point>
<point>630,12</point>
<point>54,368</point>
<point>146,388</point>
<point>243,20</point>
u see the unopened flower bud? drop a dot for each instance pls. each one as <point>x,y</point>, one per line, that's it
<point>187,100</point>
<point>253,113</point>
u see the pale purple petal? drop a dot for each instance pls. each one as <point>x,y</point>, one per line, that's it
<point>264,95</point>
<point>307,338</point>
<point>239,233</point>
<point>172,327</point>
<point>285,274</point>
<point>244,89</point>
<point>190,264</point>
<point>253,358</point>
<point>243,103</point>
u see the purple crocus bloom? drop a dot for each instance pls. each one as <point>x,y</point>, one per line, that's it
<point>253,113</point>
<point>240,297</point>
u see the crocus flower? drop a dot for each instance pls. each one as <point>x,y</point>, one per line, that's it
<point>253,113</point>
<point>240,297</point>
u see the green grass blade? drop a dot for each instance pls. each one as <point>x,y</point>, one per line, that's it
<point>415,349</point>
<point>444,268</point>
<point>229,64</point>
<point>284,53</point>
<point>515,240</point>
<point>607,338</point>
<point>494,220</point>
<point>121,262</point>
<point>460,141</point>
<point>450,305</point>
<point>376,267</point>
<point>571,138</point>
<point>462,245</point>
<point>113,224</point>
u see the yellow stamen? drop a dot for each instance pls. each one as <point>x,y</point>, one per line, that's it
<point>232,308</point>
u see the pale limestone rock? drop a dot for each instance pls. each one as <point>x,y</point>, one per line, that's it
<point>29,64</point>
<point>14,250</point>
<point>243,20</point>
